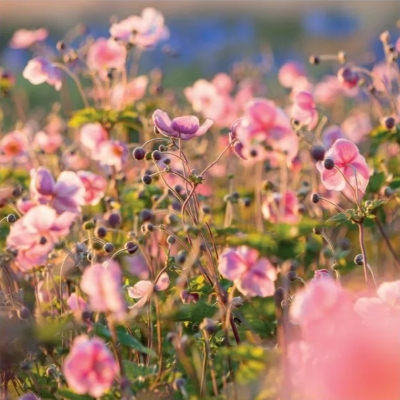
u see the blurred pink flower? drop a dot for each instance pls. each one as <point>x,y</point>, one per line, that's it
<point>124,95</point>
<point>95,187</point>
<point>35,234</point>
<point>357,126</point>
<point>384,75</point>
<point>263,124</point>
<point>144,289</point>
<point>90,367</point>
<point>289,73</point>
<point>184,128</point>
<point>350,165</point>
<point>105,54</point>
<point>236,145</point>
<point>111,153</point>
<point>252,275</point>
<point>331,134</point>
<point>223,83</point>
<point>77,305</point>
<point>40,70</point>
<point>103,284</point>
<point>24,38</point>
<point>64,195</point>
<point>136,265</point>
<point>304,109</point>
<point>13,146</point>
<point>143,32</point>
<point>46,142</point>
<point>274,211</point>
<point>92,135</point>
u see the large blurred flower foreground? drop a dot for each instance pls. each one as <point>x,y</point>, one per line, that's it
<point>348,349</point>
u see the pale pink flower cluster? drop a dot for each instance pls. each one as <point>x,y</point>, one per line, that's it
<point>40,70</point>
<point>24,38</point>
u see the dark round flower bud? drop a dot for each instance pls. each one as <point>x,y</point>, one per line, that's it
<point>162,148</point>
<point>60,45</point>
<point>114,219</point>
<point>139,153</point>
<point>318,152</point>
<point>133,249</point>
<point>344,244</point>
<point>11,218</point>
<point>23,313</point>
<point>88,225</point>
<point>314,60</point>
<point>359,259</point>
<point>43,241</point>
<point>315,198</point>
<point>209,326</point>
<point>329,164</point>
<point>388,191</point>
<point>171,239</point>
<point>167,161</point>
<point>253,153</point>
<point>108,247</point>
<point>267,185</point>
<point>146,215</point>
<point>148,227</point>
<point>389,122</point>
<point>51,371</point>
<point>206,209</point>
<point>246,201</point>
<point>292,275</point>
<point>147,179</point>
<point>181,257</point>
<point>85,315</point>
<point>178,189</point>
<point>171,219</point>
<point>317,230</point>
<point>156,155</point>
<point>101,232</point>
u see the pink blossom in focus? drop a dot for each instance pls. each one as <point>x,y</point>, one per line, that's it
<point>105,54</point>
<point>144,289</point>
<point>253,275</point>
<point>103,284</point>
<point>90,367</point>
<point>143,32</point>
<point>35,234</point>
<point>304,109</point>
<point>331,134</point>
<point>24,38</point>
<point>289,73</point>
<point>40,70</point>
<point>184,128</point>
<point>351,164</point>
<point>284,210</point>
<point>95,187</point>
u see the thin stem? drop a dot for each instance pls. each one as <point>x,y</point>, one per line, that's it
<point>364,254</point>
<point>216,160</point>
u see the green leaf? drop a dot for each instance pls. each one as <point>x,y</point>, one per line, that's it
<point>337,219</point>
<point>134,371</point>
<point>69,394</point>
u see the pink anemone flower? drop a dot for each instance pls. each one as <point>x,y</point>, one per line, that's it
<point>144,289</point>
<point>40,70</point>
<point>90,367</point>
<point>253,275</point>
<point>184,128</point>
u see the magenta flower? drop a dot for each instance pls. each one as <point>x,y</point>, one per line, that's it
<point>350,168</point>
<point>103,284</point>
<point>144,289</point>
<point>35,234</point>
<point>289,73</point>
<point>24,38</point>
<point>304,109</point>
<point>64,195</point>
<point>40,70</point>
<point>281,209</point>
<point>95,187</point>
<point>90,367</point>
<point>105,54</point>
<point>92,135</point>
<point>144,32</point>
<point>184,128</point>
<point>252,275</point>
